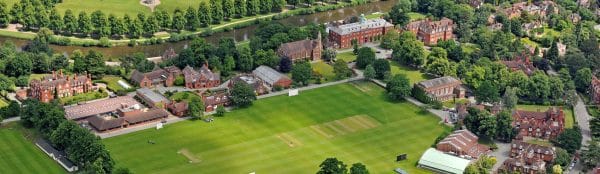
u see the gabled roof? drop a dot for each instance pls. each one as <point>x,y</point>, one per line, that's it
<point>102,124</point>
<point>438,82</point>
<point>433,158</point>
<point>359,26</point>
<point>156,74</point>
<point>268,74</point>
<point>151,95</point>
<point>204,72</point>
<point>146,116</point>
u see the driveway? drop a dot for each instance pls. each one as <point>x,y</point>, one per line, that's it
<point>583,120</point>
<point>501,154</point>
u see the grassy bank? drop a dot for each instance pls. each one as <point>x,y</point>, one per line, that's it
<point>18,154</point>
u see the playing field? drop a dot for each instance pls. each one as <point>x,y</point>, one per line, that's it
<point>352,122</point>
<point>19,155</point>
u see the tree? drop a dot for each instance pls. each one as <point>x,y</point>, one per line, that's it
<point>117,27</point>
<point>341,70</point>
<point>381,67</point>
<point>216,9</point>
<point>569,139</point>
<point>18,66</point>
<point>583,79</point>
<point>329,55</point>
<point>358,168</point>
<point>301,73</point>
<point>409,51</point>
<point>556,169</point>
<point>179,21</point>
<point>12,110</point>
<point>487,92</point>
<point>510,98</point>
<point>266,6</point>
<point>253,7</point>
<point>355,46</point>
<point>398,87</point>
<point>242,95</point>
<point>388,40</point>
<point>441,67</point>
<point>228,9</point>
<point>366,56</point>
<point>504,127</point>
<point>228,65</point>
<point>266,57</point>
<point>399,13</point>
<point>56,22</point>
<point>590,156</point>
<point>332,166</point>
<point>595,127</point>
<point>285,65</point>
<point>191,19</point>
<point>562,157</point>
<point>220,111</point>
<point>195,109</point>
<point>84,23</point>
<point>61,137</point>
<point>245,61</point>
<point>151,25</point>
<point>369,72</point>
<point>204,14</point>
<point>100,23</point>
<point>71,25</point>
<point>240,8</point>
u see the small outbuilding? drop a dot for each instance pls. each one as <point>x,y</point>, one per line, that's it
<point>271,77</point>
<point>439,162</point>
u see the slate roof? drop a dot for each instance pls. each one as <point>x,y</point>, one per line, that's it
<point>146,116</point>
<point>99,107</point>
<point>438,82</point>
<point>466,142</point>
<point>359,26</point>
<point>155,75</point>
<point>268,74</point>
<point>59,156</point>
<point>102,124</point>
<point>300,46</point>
<point>204,72</point>
<point>151,95</point>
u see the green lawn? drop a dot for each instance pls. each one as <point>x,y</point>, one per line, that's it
<point>452,103</point>
<point>3,103</point>
<point>185,96</point>
<point>568,112</point>
<point>83,97</point>
<point>541,142</point>
<point>416,16</point>
<point>593,111</point>
<point>469,48</point>
<point>20,155</point>
<point>413,74</point>
<point>37,76</point>
<point>282,134</point>
<point>347,56</point>
<point>325,70</point>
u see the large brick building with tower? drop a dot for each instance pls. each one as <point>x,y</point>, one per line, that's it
<point>430,32</point>
<point>341,35</point>
<point>308,49</point>
<point>443,88</point>
<point>59,85</point>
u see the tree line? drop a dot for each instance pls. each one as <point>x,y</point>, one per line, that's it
<point>37,14</point>
<point>82,147</point>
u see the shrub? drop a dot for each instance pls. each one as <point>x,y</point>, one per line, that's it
<point>104,42</point>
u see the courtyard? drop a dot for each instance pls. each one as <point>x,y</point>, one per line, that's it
<point>352,121</point>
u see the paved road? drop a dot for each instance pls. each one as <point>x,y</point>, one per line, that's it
<point>501,154</point>
<point>583,120</point>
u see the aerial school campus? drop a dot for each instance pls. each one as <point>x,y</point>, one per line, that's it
<point>421,86</point>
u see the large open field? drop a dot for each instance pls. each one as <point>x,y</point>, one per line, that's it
<point>118,7</point>
<point>20,155</point>
<point>282,134</point>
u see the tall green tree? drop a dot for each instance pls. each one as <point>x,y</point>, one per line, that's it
<point>302,73</point>
<point>510,98</point>
<point>191,19</point>
<point>204,14</point>
<point>398,87</point>
<point>84,23</point>
<point>583,79</point>
<point>151,25</point>
<point>487,92</point>
<point>245,62</point>
<point>179,21</point>
<point>369,72</point>
<point>341,70</point>
<point>16,15</point>
<point>71,25</point>
<point>242,95</point>
<point>117,27</point>
<point>381,67</point>
<point>56,21</point>
<point>228,9</point>
<point>365,57</point>
<point>409,51</point>
<point>4,15</point>
<point>216,9</point>
<point>504,127</point>
<point>332,166</point>
<point>100,22</point>
<point>590,156</point>
<point>240,8</point>
<point>266,6</point>
<point>358,168</point>
<point>569,139</point>
<point>253,7</point>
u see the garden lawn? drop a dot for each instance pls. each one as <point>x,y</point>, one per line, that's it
<point>83,97</point>
<point>414,75</point>
<point>325,70</point>
<point>20,155</point>
<point>185,96</point>
<point>116,7</point>
<point>568,112</point>
<point>112,83</point>
<point>347,56</point>
<point>37,76</point>
<point>352,122</point>
<point>416,16</point>
<point>3,103</point>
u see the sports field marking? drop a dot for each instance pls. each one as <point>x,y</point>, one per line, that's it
<point>361,88</point>
<point>368,122</point>
<point>332,127</point>
<point>320,132</point>
<point>191,157</point>
<point>344,125</point>
<point>289,140</point>
<point>359,122</point>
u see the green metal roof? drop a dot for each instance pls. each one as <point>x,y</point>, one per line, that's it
<point>438,160</point>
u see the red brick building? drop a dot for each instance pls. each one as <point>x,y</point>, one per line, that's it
<point>250,79</point>
<point>341,35</point>
<point>443,88</point>
<point>462,143</point>
<point>204,78</point>
<point>544,125</point>
<point>178,108</point>
<point>272,77</point>
<point>302,50</point>
<point>528,158</point>
<point>521,63</point>
<point>156,77</point>
<point>430,32</point>
<point>215,99</point>
<point>59,85</point>
<point>595,90</point>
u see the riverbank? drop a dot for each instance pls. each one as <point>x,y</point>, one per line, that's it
<point>162,37</point>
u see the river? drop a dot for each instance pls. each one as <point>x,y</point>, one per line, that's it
<point>241,34</point>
